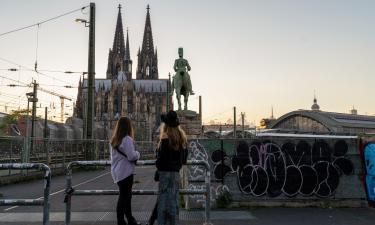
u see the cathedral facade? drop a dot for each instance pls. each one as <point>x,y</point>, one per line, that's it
<point>142,99</point>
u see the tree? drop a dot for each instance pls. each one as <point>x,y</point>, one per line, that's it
<point>11,118</point>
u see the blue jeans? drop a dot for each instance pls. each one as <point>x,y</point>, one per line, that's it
<point>168,198</point>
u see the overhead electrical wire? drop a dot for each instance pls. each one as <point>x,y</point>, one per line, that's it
<point>8,61</point>
<point>44,21</point>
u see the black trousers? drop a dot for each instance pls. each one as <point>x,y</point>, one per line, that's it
<point>124,206</point>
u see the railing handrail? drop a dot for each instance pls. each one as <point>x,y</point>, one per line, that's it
<point>139,163</point>
<point>30,202</point>
<point>69,191</point>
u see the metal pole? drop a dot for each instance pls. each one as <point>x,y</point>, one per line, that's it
<point>45,136</point>
<point>234,123</point>
<point>243,124</point>
<point>26,147</point>
<point>200,108</point>
<point>62,109</point>
<point>47,186</point>
<point>91,79</point>
<point>208,195</point>
<point>34,100</point>
<point>69,197</point>
<point>168,90</point>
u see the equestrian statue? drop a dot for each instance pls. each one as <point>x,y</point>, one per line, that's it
<point>181,82</point>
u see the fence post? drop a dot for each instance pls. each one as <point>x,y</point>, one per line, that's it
<point>10,156</point>
<point>208,194</point>
<point>68,197</point>
<point>64,154</point>
<point>46,204</point>
<point>70,151</point>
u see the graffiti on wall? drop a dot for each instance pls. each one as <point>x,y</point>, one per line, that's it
<point>196,175</point>
<point>266,168</point>
<point>369,156</point>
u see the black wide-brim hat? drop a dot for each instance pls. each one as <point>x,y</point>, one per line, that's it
<point>171,119</point>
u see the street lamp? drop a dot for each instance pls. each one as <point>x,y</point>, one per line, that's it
<point>87,24</point>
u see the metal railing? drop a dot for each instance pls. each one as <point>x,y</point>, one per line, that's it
<point>31,202</point>
<point>57,153</point>
<point>69,191</point>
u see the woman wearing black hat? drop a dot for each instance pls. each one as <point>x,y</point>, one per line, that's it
<point>172,154</point>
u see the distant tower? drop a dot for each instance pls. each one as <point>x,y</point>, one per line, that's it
<point>119,55</point>
<point>147,67</point>
<point>353,111</point>
<point>272,117</point>
<point>315,106</point>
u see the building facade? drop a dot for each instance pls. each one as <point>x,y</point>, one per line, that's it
<point>142,99</point>
<point>315,121</point>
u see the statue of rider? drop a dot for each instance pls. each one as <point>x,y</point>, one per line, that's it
<point>180,65</point>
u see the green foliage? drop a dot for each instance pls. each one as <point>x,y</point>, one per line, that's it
<point>11,119</point>
<point>224,199</point>
<point>14,116</point>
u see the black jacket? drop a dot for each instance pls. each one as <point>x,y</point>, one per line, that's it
<point>169,159</point>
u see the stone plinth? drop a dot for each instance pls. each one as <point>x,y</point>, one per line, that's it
<point>191,123</point>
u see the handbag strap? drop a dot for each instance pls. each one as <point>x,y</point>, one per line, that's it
<point>121,153</point>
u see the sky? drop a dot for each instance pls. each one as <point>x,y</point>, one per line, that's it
<point>252,54</point>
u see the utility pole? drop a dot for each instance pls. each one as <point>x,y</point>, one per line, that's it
<point>234,123</point>
<point>34,100</point>
<point>200,108</point>
<point>27,138</point>
<point>243,124</point>
<point>45,134</point>
<point>169,96</point>
<point>91,83</point>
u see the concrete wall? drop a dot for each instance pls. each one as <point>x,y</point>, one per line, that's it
<point>290,171</point>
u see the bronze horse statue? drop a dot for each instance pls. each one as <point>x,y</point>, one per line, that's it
<point>181,87</point>
<point>181,80</point>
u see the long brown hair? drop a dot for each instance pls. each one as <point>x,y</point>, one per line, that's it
<point>176,136</point>
<point>123,128</point>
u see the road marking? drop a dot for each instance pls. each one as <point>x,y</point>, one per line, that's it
<point>62,190</point>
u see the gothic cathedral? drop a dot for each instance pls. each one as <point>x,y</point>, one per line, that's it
<point>142,99</point>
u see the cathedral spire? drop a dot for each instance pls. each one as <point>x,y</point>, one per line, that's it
<point>119,55</point>
<point>147,67</point>
<point>118,42</point>
<point>127,47</point>
<point>148,44</point>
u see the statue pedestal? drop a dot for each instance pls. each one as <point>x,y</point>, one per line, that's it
<point>191,123</point>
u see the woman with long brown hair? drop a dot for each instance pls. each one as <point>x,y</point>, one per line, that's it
<point>123,159</point>
<point>172,154</point>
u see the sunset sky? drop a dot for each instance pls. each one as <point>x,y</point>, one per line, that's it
<point>248,54</point>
